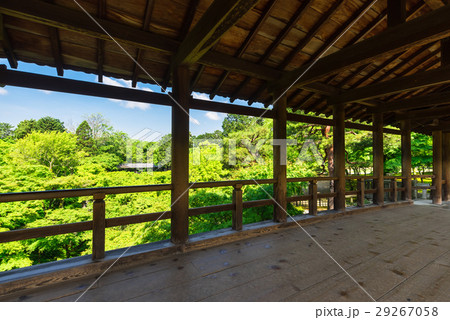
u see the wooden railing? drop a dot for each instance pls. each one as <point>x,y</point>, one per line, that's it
<point>99,222</point>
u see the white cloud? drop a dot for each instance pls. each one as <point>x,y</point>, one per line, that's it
<point>46,91</point>
<point>3,92</point>
<point>127,84</point>
<point>194,121</point>
<point>135,105</point>
<point>212,115</point>
<point>112,82</point>
<point>201,96</point>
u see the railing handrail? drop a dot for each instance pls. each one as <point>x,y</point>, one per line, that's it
<point>70,193</point>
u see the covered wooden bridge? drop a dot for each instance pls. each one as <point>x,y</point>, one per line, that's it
<point>354,64</point>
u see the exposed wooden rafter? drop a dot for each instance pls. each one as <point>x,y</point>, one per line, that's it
<point>139,52</point>
<point>76,21</point>
<point>186,26</point>
<point>245,44</point>
<point>279,38</point>
<point>6,44</point>
<point>218,19</point>
<point>415,81</point>
<point>56,50</point>
<point>417,102</point>
<point>420,31</point>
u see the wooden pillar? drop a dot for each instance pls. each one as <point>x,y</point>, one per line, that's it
<point>405,127</point>
<point>378,158</point>
<point>98,227</point>
<point>313,200</point>
<point>236,222</point>
<point>360,197</point>
<point>339,156</point>
<point>279,160</point>
<point>180,156</point>
<point>437,167</point>
<point>446,165</point>
<point>396,12</point>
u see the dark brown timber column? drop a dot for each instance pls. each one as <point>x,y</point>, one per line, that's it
<point>437,167</point>
<point>445,61</point>
<point>180,156</point>
<point>446,165</point>
<point>405,126</point>
<point>378,158</point>
<point>339,156</point>
<point>279,160</point>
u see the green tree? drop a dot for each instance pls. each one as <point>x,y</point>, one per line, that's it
<point>46,124</point>
<point>84,137</point>
<point>236,122</point>
<point>99,125</point>
<point>58,151</point>
<point>24,128</point>
<point>6,130</point>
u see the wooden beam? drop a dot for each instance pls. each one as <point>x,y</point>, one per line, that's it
<point>218,19</point>
<point>280,160</point>
<point>396,12</point>
<point>437,167</point>
<point>5,42</point>
<point>405,127</point>
<point>415,81</point>
<point>420,31</point>
<point>378,159</point>
<point>417,102</point>
<point>180,157</point>
<point>430,113</point>
<point>436,4</point>
<point>339,156</point>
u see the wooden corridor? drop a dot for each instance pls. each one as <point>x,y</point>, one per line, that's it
<point>398,254</point>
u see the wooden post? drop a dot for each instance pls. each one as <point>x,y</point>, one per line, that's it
<point>313,199</point>
<point>378,158</point>
<point>405,127</point>
<point>394,191</point>
<point>396,12</point>
<point>360,198</point>
<point>437,167</point>
<point>446,165</point>
<point>180,156</point>
<point>238,208</point>
<point>279,160</point>
<point>98,227</point>
<point>445,61</point>
<point>339,156</point>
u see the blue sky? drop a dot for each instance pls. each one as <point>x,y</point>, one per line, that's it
<point>17,104</point>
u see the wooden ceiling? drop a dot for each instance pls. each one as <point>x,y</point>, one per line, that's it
<point>339,51</point>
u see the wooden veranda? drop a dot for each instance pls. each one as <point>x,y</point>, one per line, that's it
<point>352,64</point>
